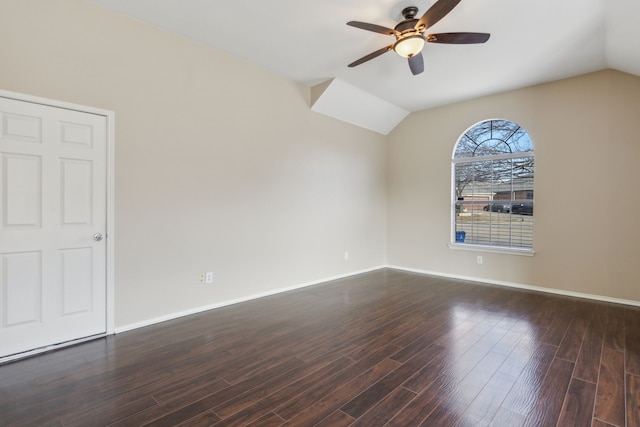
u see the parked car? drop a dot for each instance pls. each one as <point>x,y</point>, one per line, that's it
<point>522,208</point>
<point>497,207</point>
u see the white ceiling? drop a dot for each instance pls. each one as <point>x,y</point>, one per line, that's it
<point>308,41</point>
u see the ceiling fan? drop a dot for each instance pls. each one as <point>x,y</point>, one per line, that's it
<point>410,34</point>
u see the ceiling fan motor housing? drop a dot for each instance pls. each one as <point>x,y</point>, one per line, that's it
<point>407,28</point>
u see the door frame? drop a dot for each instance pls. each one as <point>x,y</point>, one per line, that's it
<point>110,180</point>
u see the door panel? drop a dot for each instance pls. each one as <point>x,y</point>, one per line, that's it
<point>22,191</point>
<point>76,279</point>
<point>52,202</point>
<point>76,191</point>
<point>18,127</point>
<point>21,288</point>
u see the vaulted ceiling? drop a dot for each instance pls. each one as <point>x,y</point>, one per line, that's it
<point>308,41</point>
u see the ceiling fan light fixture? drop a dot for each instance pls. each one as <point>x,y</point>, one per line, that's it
<point>409,46</point>
<point>410,34</point>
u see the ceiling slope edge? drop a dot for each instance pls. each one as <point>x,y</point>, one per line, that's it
<point>345,102</point>
<point>621,28</point>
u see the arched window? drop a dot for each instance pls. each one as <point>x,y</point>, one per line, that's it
<point>492,170</point>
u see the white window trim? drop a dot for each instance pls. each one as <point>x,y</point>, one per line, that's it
<point>491,249</point>
<point>508,250</point>
<point>496,157</point>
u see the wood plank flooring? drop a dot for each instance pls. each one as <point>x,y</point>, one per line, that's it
<point>386,348</point>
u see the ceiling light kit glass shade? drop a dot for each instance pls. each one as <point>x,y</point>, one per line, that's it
<point>409,46</point>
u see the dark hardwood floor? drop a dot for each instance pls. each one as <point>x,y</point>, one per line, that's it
<point>382,348</point>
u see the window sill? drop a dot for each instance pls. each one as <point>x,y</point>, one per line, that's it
<point>491,249</point>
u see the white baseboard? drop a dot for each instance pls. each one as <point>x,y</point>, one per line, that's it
<point>176,315</point>
<point>201,309</point>
<point>520,286</point>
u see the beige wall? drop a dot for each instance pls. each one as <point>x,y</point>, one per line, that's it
<point>220,166</point>
<point>587,194</point>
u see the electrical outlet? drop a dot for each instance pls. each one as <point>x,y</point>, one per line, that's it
<point>201,278</point>
<point>346,254</point>
<point>209,277</point>
<point>479,259</point>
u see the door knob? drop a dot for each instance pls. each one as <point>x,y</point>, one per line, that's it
<point>97,237</point>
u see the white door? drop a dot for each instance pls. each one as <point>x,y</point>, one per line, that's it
<point>52,225</point>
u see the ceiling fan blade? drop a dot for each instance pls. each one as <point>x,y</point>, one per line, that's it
<point>436,12</point>
<point>458,38</point>
<point>372,27</point>
<point>371,55</point>
<point>416,64</point>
